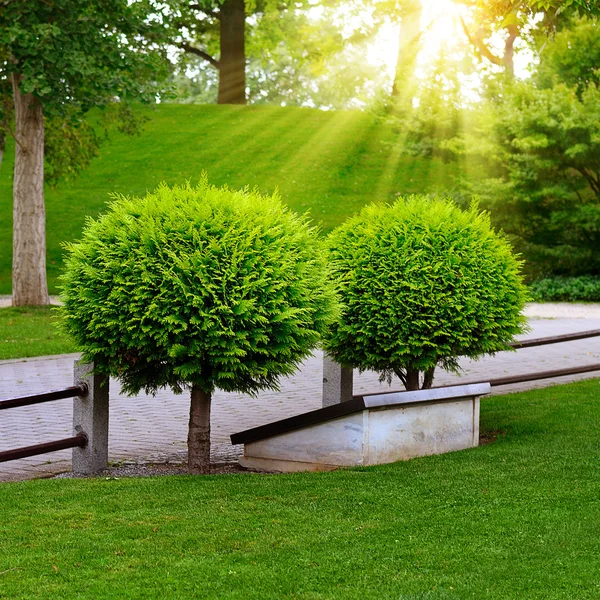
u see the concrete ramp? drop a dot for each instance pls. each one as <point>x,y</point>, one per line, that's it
<point>368,430</point>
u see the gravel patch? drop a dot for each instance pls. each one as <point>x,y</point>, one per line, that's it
<point>131,469</point>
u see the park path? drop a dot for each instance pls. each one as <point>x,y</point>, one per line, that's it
<point>147,429</point>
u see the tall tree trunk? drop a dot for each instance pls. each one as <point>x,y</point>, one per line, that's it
<point>403,88</point>
<point>232,62</point>
<point>199,432</point>
<point>508,60</point>
<point>29,286</point>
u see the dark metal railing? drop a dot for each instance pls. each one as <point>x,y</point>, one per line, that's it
<point>556,339</point>
<point>70,392</point>
<point>80,440</point>
<point>543,375</point>
<point>522,378</point>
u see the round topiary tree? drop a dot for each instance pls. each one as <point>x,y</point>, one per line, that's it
<point>198,288</point>
<point>422,283</point>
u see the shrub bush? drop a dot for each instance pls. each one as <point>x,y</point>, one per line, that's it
<point>566,289</point>
<point>422,283</point>
<point>197,287</point>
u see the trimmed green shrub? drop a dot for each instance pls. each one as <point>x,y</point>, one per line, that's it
<point>422,283</point>
<point>197,288</point>
<point>566,289</point>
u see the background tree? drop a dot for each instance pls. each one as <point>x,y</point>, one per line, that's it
<point>513,19</point>
<point>542,138</point>
<point>411,32</point>
<point>547,193</point>
<point>534,142</point>
<point>215,31</point>
<point>295,59</point>
<point>201,288</point>
<point>422,283</point>
<point>59,59</point>
<point>283,52</point>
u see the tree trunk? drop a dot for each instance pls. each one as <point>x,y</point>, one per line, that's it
<point>508,60</point>
<point>412,379</point>
<point>232,62</point>
<point>403,88</point>
<point>29,285</point>
<point>199,432</point>
<point>428,378</point>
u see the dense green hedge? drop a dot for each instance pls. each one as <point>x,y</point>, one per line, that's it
<point>566,289</point>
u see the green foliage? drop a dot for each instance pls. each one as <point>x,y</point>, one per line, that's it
<point>69,146</point>
<point>201,286</point>
<point>432,129</point>
<point>81,53</point>
<point>547,196</point>
<point>521,10</point>
<point>538,142</point>
<point>572,56</point>
<point>77,55</point>
<point>566,289</point>
<point>422,283</point>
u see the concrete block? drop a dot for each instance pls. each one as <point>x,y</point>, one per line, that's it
<point>337,382</point>
<point>90,416</point>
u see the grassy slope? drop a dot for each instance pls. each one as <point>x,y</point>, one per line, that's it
<point>519,518</point>
<point>328,163</point>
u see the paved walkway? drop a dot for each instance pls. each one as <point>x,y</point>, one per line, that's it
<point>154,429</point>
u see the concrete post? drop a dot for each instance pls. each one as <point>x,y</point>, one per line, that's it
<point>337,382</point>
<point>90,416</point>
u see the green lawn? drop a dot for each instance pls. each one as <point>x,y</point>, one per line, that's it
<point>31,331</point>
<point>328,163</point>
<point>518,518</point>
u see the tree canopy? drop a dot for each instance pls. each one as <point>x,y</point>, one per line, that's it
<point>82,53</point>
<point>58,60</point>
<point>422,283</point>
<point>197,287</point>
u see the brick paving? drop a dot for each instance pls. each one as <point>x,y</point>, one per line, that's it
<point>153,429</point>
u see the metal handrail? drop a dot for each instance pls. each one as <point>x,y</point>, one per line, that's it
<point>80,440</point>
<point>70,392</point>
<point>539,375</point>
<point>556,339</point>
<point>568,337</point>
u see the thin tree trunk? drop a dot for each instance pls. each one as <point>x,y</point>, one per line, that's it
<point>428,378</point>
<point>412,379</point>
<point>403,87</point>
<point>29,286</point>
<point>199,432</point>
<point>232,62</point>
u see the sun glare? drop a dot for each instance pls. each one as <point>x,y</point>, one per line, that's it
<point>440,22</point>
